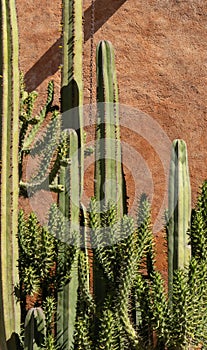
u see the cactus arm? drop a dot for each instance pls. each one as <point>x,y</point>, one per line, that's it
<point>9,309</point>
<point>69,205</point>
<point>109,184</point>
<point>179,204</point>
<point>41,117</point>
<point>72,80</point>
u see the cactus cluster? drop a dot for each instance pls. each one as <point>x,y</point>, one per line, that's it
<point>88,280</point>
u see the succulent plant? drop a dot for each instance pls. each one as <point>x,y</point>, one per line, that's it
<point>9,102</point>
<point>109,179</point>
<point>179,210</point>
<point>72,79</point>
<point>69,205</point>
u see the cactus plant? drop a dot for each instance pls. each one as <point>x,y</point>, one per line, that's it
<point>72,118</point>
<point>72,80</point>
<point>85,306</point>
<point>198,232</point>
<point>179,210</point>
<point>26,117</point>
<point>39,142</point>
<point>54,260</point>
<point>69,205</point>
<point>118,252</point>
<point>109,180</point>
<point>9,101</point>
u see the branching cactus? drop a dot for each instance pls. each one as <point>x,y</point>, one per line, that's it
<point>109,181</point>
<point>27,118</point>
<point>9,101</point>
<point>179,210</point>
<point>39,141</point>
<point>72,80</point>
<point>69,205</point>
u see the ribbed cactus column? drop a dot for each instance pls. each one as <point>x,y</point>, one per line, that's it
<point>72,80</point>
<point>9,101</point>
<point>69,204</point>
<point>179,210</point>
<point>109,182</point>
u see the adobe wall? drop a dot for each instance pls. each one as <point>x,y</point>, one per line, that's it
<point>161,61</point>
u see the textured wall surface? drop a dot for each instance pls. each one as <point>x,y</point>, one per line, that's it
<point>161,58</point>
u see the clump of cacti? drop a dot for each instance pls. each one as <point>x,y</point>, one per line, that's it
<point>127,302</point>
<point>118,249</point>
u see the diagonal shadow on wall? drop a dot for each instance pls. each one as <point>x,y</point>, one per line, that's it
<point>51,59</point>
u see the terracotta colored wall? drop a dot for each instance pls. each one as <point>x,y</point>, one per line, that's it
<point>161,62</point>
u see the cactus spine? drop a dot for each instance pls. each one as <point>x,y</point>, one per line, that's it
<point>109,182</point>
<point>179,207</point>
<point>70,207</point>
<point>72,80</point>
<point>9,309</point>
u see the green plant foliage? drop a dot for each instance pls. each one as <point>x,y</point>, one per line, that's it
<point>44,260</point>
<point>49,308</point>
<point>128,306</point>
<point>37,250</point>
<point>118,251</point>
<point>198,231</point>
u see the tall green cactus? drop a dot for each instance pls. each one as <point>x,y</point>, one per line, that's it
<point>69,204</point>
<point>72,118</point>
<point>179,210</point>
<point>72,80</point>
<point>109,181</point>
<point>9,100</point>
